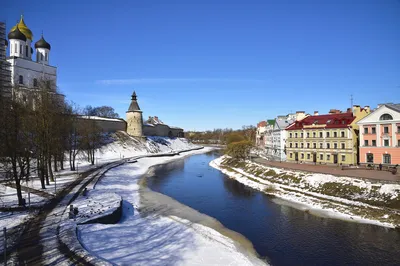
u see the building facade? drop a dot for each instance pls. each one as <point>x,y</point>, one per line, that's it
<point>26,73</point>
<point>380,136</point>
<point>268,135</point>
<point>326,139</point>
<point>279,136</point>
<point>260,134</point>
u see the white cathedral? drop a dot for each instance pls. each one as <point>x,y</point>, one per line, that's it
<point>26,73</point>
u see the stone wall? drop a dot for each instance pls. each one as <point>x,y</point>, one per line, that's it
<point>106,124</point>
<point>162,131</point>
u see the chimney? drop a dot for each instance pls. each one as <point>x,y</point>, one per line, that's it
<point>316,113</point>
<point>367,109</point>
<point>348,110</point>
<point>300,115</point>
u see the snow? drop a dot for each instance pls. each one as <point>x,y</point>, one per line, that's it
<point>148,238</point>
<point>8,197</point>
<point>96,205</point>
<point>102,118</point>
<point>331,206</point>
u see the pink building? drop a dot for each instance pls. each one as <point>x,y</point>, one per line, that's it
<point>380,136</point>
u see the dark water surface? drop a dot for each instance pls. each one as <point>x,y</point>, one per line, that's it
<point>282,234</point>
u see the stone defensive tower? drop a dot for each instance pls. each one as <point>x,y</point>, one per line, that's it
<point>134,118</point>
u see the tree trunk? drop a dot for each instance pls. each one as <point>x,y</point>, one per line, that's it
<point>40,170</point>
<point>46,172</point>
<point>17,181</point>
<point>50,169</point>
<point>55,163</point>
<point>62,161</point>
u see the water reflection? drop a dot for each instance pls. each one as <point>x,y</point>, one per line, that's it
<point>238,189</point>
<point>286,235</point>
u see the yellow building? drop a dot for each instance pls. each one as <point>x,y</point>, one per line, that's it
<point>326,139</point>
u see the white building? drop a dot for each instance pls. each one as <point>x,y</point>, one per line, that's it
<point>279,136</point>
<point>25,72</point>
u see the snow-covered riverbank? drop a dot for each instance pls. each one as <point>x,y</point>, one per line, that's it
<point>336,197</point>
<point>152,230</point>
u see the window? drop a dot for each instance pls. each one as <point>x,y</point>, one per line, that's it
<point>342,134</point>
<point>41,56</point>
<point>302,156</point>
<point>328,157</point>
<point>328,146</point>
<point>314,134</point>
<point>335,134</point>
<point>386,117</point>
<point>290,135</point>
<point>290,145</point>
<point>320,134</point>
<point>321,145</point>
<point>290,155</point>
<point>343,145</point>
<point>314,145</point>
<point>398,129</point>
<point>21,79</point>
<point>26,51</point>
<point>46,56</point>
<point>365,142</point>
<point>343,158</point>
<point>373,129</point>
<point>327,134</point>
<point>386,143</point>
<point>365,130</point>
<point>308,145</point>
<point>295,135</point>
<point>301,134</point>
<point>398,143</point>
<point>11,49</point>
<point>35,84</point>
<point>321,157</point>
<point>374,143</point>
<point>386,158</point>
<point>386,130</point>
<point>308,134</point>
<point>15,48</point>
<point>308,156</point>
<point>20,49</point>
<point>296,145</point>
<point>302,145</point>
<point>335,145</point>
<point>370,158</point>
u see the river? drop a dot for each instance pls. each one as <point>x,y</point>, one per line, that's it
<point>281,234</point>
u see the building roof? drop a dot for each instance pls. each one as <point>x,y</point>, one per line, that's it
<point>23,28</point>
<point>42,44</point>
<point>394,106</point>
<point>134,106</point>
<point>341,120</point>
<point>283,123</point>
<point>262,124</point>
<point>271,122</point>
<point>16,34</point>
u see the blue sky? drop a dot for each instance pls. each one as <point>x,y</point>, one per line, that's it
<point>212,64</point>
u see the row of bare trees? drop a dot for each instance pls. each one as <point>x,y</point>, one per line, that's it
<point>35,139</point>
<point>223,136</point>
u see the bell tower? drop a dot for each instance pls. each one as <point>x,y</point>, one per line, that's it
<point>134,118</point>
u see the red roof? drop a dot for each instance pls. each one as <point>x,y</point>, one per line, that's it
<point>262,124</point>
<point>342,120</point>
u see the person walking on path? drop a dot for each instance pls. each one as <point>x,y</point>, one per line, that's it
<point>380,167</point>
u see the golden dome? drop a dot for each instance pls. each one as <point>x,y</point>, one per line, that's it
<point>23,28</point>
